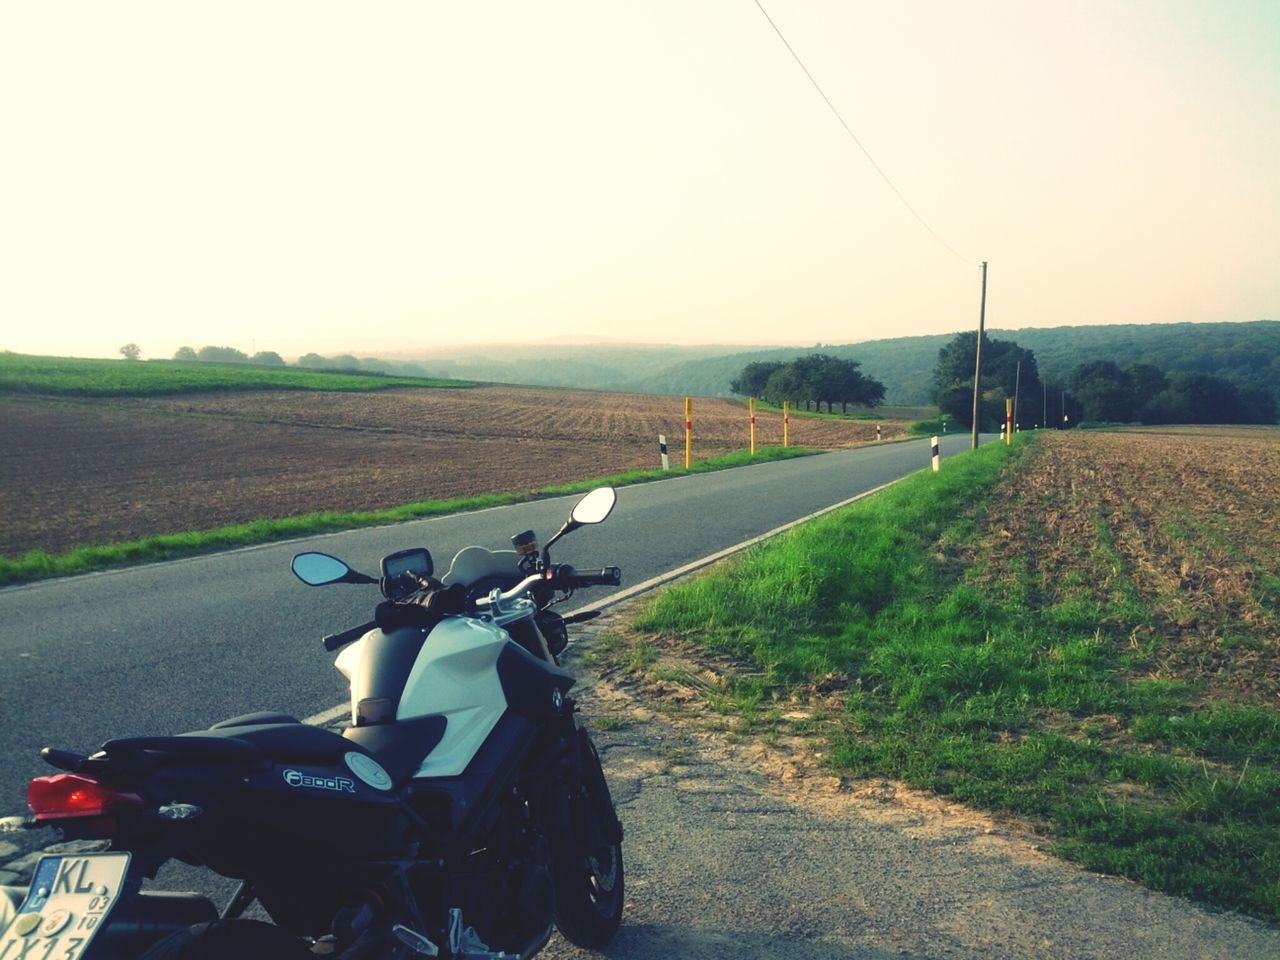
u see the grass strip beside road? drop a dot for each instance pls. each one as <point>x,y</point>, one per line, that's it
<point>40,565</point>
<point>66,376</point>
<point>910,640</point>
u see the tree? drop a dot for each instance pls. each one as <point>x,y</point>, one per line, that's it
<point>839,381</point>
<point>1147,381</point>
<point>222,355</point>
<point>819,378</point>
<point>313,360</point>
<point>185,354</point>
<point>1209,399</point>
<point>784,385</point>
<point>953,378</point>
<point>751,382</point>
<point>1105,391</point>
<point>267,358</point>
<point>131,351</point>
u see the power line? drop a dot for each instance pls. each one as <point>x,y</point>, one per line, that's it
<point>854,136</point>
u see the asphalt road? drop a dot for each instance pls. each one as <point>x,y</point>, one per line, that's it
<point>177,646</point>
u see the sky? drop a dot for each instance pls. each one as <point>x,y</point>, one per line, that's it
<point>367,178</point>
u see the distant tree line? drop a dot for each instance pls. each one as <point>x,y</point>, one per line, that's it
<point>811,381</point>
<point>228,355</point>
<point>341,363</point>
<point>1144,392</point>
<point>1098,391</point>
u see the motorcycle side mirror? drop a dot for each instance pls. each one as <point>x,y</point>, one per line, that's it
<point>595,507</point>
<point>319,569</point>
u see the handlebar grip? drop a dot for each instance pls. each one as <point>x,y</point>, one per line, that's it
<point>336,640</point>
<point>607,577</point>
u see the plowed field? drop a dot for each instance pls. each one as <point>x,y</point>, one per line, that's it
<point>105,471</point>
<point>1182,523</point>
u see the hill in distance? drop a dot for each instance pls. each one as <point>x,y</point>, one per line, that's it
<point>1247,354</point>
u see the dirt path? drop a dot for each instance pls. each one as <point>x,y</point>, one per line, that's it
<point>745,851</point>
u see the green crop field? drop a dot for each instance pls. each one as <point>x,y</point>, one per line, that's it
<point>65,376</point>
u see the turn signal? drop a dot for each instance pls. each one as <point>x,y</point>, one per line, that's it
<point>66,795</point>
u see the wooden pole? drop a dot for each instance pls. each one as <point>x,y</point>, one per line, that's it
<point>977,363</point>
<point>1017,385</point>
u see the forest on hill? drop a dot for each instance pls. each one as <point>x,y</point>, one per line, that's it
<point>1246,354</point>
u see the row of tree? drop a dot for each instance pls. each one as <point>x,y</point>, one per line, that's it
<point>228,355</point>
<point>1144,392</point>
<point>811,381</point>
<point>344,362</point>
<point>1099,391</point>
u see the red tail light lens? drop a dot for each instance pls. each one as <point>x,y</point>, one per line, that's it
<point>71,795</point>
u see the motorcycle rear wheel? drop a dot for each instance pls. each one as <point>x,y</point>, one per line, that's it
<point>589,888</point>
<point>230,940</point>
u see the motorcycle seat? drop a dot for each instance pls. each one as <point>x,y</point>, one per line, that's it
<point>286,741</point>
<point>248,743</point>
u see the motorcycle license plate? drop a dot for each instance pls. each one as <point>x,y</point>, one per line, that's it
<point>66,905</point>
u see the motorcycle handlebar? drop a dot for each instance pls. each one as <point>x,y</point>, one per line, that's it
<point>562,577</point>
<point>607,577</point>
<point>335,640</point>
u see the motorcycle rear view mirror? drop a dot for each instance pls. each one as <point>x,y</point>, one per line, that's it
<point>319,569</point>
<point>593,508</point>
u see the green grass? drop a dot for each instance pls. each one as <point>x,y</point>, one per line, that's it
<point>976,687</point>
<point>64,376</point>
<point>38,564</point>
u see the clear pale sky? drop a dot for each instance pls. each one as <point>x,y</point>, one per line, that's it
<point>355,177</point>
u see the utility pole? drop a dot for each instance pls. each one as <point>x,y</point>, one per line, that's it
<point>1044,417</point>
<point>1017,385</point>
<point>977,363</point>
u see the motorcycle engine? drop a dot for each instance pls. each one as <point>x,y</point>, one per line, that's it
<point>507,894</point>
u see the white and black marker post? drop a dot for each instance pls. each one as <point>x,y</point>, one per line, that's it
<point>936,459</point>
<point>662,448</point>
<point>877,433</point>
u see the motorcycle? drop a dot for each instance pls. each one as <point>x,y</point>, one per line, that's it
<point>462,814</point>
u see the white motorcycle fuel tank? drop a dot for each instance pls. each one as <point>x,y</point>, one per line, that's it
<point>454,674</point>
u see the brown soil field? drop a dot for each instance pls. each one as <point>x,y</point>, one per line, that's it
<point>1182,522</point>
<point>112,470</point>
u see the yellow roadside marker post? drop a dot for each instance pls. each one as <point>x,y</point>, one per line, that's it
<point>786,422</point>
<point>751,405</point>
<point>688,431</point>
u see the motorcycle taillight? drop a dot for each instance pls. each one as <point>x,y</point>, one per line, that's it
<point>66,795</point>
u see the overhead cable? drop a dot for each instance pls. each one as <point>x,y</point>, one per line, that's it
<point>854,137</point>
